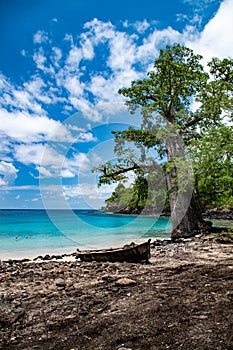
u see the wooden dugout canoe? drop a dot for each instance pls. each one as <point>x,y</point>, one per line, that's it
<point>130,253</point>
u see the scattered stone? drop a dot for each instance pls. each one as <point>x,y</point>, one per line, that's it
<point>125,282</point>
<point>39,257</point>
<point>218,214</point>
<point>47,257</point>
<point>59,282</point>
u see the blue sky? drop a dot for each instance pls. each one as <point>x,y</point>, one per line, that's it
<point>61,65</point>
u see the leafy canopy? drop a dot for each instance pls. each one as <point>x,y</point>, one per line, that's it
<point>167,96</point>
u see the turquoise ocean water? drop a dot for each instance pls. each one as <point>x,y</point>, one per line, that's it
<point>33,232</point>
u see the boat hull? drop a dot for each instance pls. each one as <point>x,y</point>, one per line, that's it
<point>129,253</point>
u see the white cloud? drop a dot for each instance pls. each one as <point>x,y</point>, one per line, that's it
<point>74,57</point>
<point>121,43</point>
<point>33,154</point>
<point>100,32</point>
<point>86,107</point>
<point>89,191</point>
<point>5,149</point>
<point>216,38</point>
<point>105,90</point>
<point>40,37</point>
<point>23,100</point>
<point>148,51</point>
<point>36,88</point>
<point>26,128</point>
<point>69,38</point>
<point>139,26</point>
<point>74,86</point>
<point>3,82</point>
<point>87,46</point>
<point>23,53</point>
<point>44,172</point>
<point>20,188</point>
<point>86,137</point>
<point>51,162</point>
<point>66,173</point>
<point>40,59</point>
<point>56,56</point>
<point>85,50</point>
<point>77,162</point>
<point>2,182</point>
<point>28,97</point>
<point>49,159</point>
<point>124,54</point>
<point>8,173</point>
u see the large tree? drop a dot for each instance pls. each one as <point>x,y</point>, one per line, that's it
<point>166,98</point>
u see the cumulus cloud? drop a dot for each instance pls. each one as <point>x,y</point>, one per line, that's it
<point>42,63</point>
<point>67,173</point>
<point>23,127</point>
<point>40,36</point>
<point>90,192</point>
<point>139,26</point>
<point>74,57</point>
<point>50,162</point>
<point>216,39</point>
<point>34,154</point>
<point>8,173</point>
<point>74,86</point>
<point>36,89</point>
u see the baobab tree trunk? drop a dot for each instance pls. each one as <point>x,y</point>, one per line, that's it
<point>186,214</point>
<point>190,224</point>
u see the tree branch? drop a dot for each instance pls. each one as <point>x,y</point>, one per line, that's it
<point>193,121</point>
<point>151,97</point>
<point>125,170</point>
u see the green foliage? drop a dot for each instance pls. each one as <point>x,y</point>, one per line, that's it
<point>138,197</point>
<point>165,97</point>
<point>120,198</point>
<point>167,91</point>
<point>213,163</point>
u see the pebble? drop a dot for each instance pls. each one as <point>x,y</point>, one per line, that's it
<point>125,282</point>
<point>59,282</point>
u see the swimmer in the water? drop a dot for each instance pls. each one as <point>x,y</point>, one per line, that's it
<point>26,237</point>
<point>16,238</point>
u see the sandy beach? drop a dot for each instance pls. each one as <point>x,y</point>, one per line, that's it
<point>181,299</point>
<point>21,255</point>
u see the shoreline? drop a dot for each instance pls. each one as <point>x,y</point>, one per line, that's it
<point>68,252</point>
<point>63,254</point>
<point>209,214</point>
<point>22,255</point>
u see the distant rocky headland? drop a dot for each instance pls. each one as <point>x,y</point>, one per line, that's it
<point>214,214</point>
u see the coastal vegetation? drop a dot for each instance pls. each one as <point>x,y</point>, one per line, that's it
<point>185,139</point>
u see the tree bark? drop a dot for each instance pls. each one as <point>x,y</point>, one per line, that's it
<point>186,214</point>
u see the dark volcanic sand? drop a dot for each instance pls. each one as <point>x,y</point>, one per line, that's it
<point>181,300</point>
